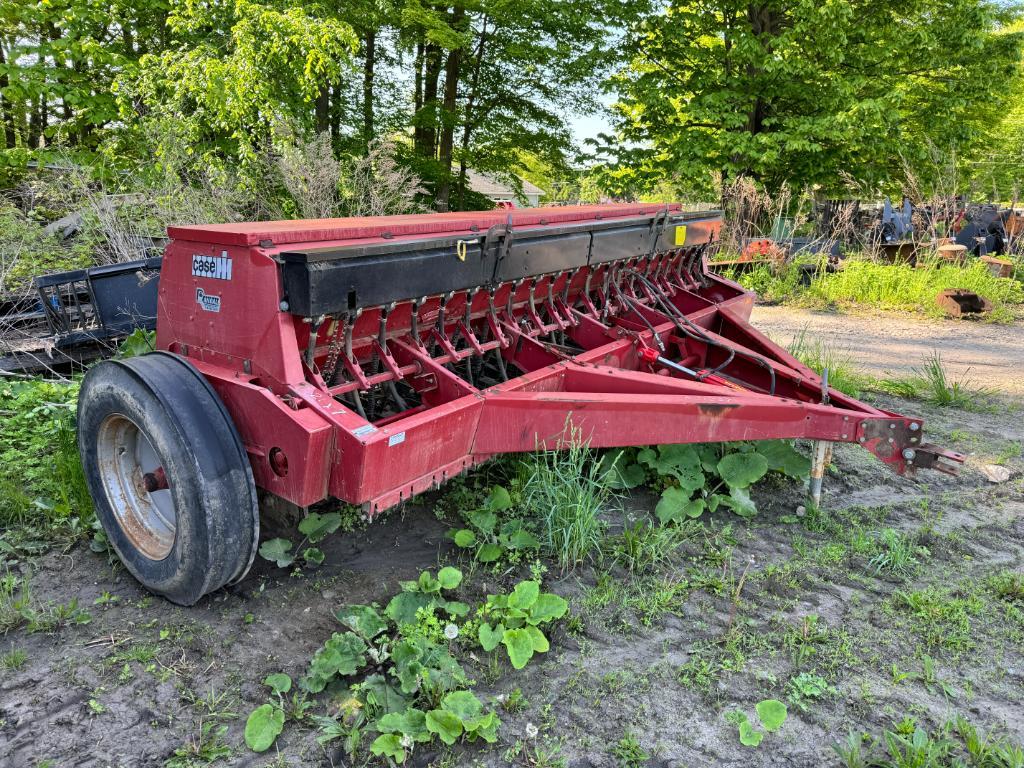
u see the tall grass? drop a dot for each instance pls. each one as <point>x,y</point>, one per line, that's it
<point>843,374</point>
<point>566,491</point>
<point>930,382</point>
<point>884,286</point>
<point>902,287</point>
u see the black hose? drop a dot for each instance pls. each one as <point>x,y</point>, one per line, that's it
<point>698,333</point>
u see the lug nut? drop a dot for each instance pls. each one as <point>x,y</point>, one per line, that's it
<point>909,454</point>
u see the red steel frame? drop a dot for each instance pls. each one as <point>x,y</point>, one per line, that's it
<point>581,348</point>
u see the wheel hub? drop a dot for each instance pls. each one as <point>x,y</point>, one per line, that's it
<point>136,486</point>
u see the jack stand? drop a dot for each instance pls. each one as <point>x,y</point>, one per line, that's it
<point>821,455</point>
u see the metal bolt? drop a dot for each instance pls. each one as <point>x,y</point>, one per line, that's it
<point>861,439</point>
<point>892,426</point>
<point>844,435</point>
<point>909,454</point>
<point>914,426</point>
<point>284,306</point>
<point>891,440</point>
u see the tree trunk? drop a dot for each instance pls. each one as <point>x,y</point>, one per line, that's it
<point>336,114</point>
<point>452,70</point>
<point>6,108</point>
<point>430,77</point>
<point>369,64</point>
<point>417,131</point>
<point>322,108</point>
<point>37,122</point>
<point>468,119</point>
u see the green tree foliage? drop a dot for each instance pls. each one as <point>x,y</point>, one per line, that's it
<point>804,91</point>
<point>483,84</point>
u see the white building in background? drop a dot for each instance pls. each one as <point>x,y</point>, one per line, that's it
<point>502,192</point>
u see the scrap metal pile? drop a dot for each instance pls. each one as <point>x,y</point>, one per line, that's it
<point>899,232</point>
<point>372,359</point>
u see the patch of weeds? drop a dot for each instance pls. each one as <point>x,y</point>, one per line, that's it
<point>566,491</point>
<point>931,383</point>
<point>701,672</point>
<point>812,643</point>
<point>315,527</point>
<point>986,750</point>
<point>1010,450</point>
<point>487,540</point>
<point>807,687</point>
<point>15,601</point>
<point>17,608</point>
<point>643,546</point>
<point>654,598</point>
<point>931,680</point>
<point>897,554</point>
<point>802,640</point>
<point>206,746</point>
<point>607,591</point>
<point>266,722</point>
<point>628,753</point>
<point>843,374</point>
<point>771,714</point>
<point>1006,585</point>
<point>903,287</point>
<point>43,493</point>
<point>14,659</point>
<point>940,388</point>
<point>830,554</point>
<point>514,620</point>
<point>514,701</point>
<point>394,675</point>
<point>709,660</point>
<point>702,477</point>
<point>907,745</point>
<point>938,617</point>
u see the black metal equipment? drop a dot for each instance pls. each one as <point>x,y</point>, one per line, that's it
<point>99,303</point>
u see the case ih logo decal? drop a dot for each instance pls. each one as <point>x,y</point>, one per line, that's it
<point>217,267</point>
<point>207,301</point>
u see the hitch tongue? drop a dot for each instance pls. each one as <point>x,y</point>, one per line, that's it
<point>930,456</point>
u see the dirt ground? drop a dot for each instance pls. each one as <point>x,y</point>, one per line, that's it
<point>742,610</point>
<point>884,344</point>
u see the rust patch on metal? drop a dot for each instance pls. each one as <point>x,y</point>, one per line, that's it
<point>716,409</point>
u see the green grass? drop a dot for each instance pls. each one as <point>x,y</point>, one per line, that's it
<point>565,491</point>
<point>42,485</point>
<point>15,601</point>
<point>957,742</point>
<point>818,356</point>
<point>902,287</point>
<point>644,545</point>
<point>893,287</point>
<point>628,753</point>
<point>898,554</point>
<point>1007,586</point>
<point>940,618</point>
<point>14,659</point>
<point>931,383</point>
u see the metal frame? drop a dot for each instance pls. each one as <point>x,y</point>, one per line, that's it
<point>374,404</point>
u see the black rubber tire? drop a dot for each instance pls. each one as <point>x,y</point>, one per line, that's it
<point>208,471</point>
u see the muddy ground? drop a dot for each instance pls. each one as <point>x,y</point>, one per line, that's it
<point>664,656</point>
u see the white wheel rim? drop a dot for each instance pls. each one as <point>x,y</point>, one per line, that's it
<point>125,458</point>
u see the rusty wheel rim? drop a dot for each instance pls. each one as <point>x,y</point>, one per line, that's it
<point>133,478</point>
